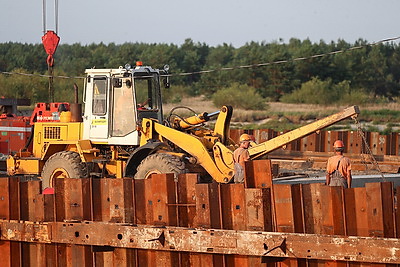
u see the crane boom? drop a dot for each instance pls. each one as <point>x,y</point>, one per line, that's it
<point>281,140</point>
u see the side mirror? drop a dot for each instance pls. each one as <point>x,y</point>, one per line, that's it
<point>117,83</point>
<point>166,80</point>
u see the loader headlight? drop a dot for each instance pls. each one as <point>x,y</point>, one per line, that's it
<point>128,66</point>
<point>166,68</point>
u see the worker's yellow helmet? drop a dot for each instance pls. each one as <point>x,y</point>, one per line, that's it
<point>245,137</point>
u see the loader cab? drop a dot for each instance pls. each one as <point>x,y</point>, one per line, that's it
<point>116,101</point>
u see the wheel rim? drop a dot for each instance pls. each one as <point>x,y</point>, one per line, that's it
<point>58,173</point>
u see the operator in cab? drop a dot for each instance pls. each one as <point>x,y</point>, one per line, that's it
<point>338,169</point>
<point>240,155</point>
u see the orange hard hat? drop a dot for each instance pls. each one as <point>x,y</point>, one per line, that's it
<point>338,144</point>
<point>245,137</point>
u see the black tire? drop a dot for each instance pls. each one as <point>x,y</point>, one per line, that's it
<point>64,164</point>
<point>160,163</point>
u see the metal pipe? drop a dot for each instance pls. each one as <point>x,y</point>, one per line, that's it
<point>210,115</point>
<point>76,93</point>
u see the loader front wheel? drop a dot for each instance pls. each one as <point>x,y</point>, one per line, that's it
<point>64,164</point>
<point>160,163</point>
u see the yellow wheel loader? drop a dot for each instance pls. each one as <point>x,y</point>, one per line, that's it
<point>122,133</point>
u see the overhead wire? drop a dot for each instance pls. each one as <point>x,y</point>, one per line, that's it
<point>234,67</point>
<point>41,75</point>
<point>289,60</point>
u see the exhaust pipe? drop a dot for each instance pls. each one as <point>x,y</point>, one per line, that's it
<point>76,109</point>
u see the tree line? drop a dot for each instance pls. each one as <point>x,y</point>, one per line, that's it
<point>355,75</point>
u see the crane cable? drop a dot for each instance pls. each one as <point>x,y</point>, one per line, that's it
<point>50,42</point>
<point>56,14</point>
<point>366,147</point>
<point>44,4</point>
<point>44,15</point>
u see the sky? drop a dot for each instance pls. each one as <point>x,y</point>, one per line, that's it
<point>213,22</point>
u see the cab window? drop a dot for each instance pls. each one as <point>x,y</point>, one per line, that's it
<point>124,121</point>
<point>99,106</point>
<point>145,94</point>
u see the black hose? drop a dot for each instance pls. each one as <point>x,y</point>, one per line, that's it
<point>179,117</point>
<point>29,139</point>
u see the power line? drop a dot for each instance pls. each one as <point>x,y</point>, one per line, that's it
<point>257,65</point>
<point>289,60</point>
<point>40,75</point>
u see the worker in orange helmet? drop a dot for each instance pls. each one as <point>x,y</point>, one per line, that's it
<point>240,155</point>
<point>338,169</point>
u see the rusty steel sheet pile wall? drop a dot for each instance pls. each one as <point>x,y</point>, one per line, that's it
<point>312,151</point>
<point>112,222</point>
<point>323,141</point>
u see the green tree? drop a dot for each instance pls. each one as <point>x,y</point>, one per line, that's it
<point>239,96</point>
<point>370,71</point>
<point>314,91</point>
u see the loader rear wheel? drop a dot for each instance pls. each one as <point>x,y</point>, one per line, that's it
<point>64,164</point>
<point>160,163</point>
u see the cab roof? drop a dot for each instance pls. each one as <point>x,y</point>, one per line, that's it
<point>122,70</point>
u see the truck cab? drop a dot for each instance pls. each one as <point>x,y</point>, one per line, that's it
<point>116,101</point>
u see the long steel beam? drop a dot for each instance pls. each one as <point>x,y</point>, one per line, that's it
<point>283,139</point>
<point>180,239</point>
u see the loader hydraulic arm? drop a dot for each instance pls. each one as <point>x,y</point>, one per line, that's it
<point>191,145</point>
<point>186,123</point>
<point>209,149</point>
<point>281,140</point>
<point>221,129</point>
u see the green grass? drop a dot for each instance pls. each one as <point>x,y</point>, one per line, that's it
<point>381,115</point>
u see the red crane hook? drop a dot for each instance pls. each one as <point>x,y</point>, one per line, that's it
<point>50,42</point>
